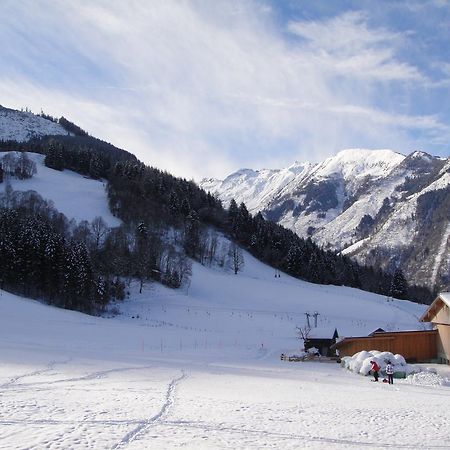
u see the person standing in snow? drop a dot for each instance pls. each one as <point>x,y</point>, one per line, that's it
<point>375,368</point>
<point>390,372</point>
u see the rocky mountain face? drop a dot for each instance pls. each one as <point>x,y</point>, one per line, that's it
<point>378,206</point>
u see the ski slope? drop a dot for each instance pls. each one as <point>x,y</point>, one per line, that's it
<point>77,197</point>
<point>200,368</point>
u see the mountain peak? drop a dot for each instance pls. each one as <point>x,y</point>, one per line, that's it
<point>358,162</point>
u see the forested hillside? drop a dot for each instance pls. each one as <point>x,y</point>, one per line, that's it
<point>165,222</point>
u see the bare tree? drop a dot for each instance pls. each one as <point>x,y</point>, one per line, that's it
<point>236,258</point>
<point>25,168</point>
<point>213,241</point>
<point>99,229</point>
<point>303,332</point>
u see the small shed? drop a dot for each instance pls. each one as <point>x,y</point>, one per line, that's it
<point>415,346</point>
<point>438,313</point>
<point>322,339</point>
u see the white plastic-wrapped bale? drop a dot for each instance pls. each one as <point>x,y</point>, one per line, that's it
<point>345,361</point>
<point>361,363</point>
<point>357,361</point>
<point>399,360</point>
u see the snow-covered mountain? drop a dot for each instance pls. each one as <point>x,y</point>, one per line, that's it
<point>21,126</point>
<point>379,206</point>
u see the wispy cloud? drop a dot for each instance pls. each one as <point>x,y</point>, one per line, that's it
<point>201,89</point>
<point>346,45</point>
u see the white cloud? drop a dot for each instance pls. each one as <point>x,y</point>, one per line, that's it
<point>200,90</point>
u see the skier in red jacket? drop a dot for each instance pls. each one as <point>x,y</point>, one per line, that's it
<point>375,368</point>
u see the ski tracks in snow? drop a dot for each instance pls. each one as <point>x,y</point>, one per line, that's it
<point>48,368</point>
<point>88,377</point>
<point>157,418</point>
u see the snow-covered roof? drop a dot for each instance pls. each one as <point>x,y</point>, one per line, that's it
<point>443,297</point>
<point>322,333</point>
<point>446,297</point>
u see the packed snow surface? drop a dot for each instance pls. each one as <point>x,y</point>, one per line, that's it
<point>200,368</point>
<point>77,197</point>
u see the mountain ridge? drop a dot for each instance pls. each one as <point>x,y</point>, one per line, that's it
<point>359,196</point>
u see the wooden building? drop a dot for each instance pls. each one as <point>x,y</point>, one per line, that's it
<point>438,313</point>
<point>415,346</point>
<point>322,339</point>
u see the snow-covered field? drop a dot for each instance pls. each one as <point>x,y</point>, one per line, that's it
<point>200,368</point>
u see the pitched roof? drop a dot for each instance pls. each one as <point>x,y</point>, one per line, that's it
<point>442,299</point>
<point>322,333</point>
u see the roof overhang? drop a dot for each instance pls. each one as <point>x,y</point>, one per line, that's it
<point>442,299</point>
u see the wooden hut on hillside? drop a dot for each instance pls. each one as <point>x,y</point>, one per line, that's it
<point>438,313</point>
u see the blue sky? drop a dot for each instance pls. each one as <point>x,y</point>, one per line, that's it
<point>202,88</point>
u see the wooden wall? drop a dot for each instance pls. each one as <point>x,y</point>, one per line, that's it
<point>442,315</point>
<point>444,343</point>
<point>413,345</point>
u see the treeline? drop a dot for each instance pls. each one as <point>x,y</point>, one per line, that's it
<point>69,126</point>
<point>83,154</point>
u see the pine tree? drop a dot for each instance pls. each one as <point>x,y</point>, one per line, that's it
<point>399,285</point>
<point>54,156</point>
<point>232,212</point>
<point>192,234</point>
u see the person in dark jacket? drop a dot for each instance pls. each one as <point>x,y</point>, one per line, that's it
<point>375,369</point>
<point>390,372</point>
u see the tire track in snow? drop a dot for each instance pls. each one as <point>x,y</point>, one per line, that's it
<point>145,425</point>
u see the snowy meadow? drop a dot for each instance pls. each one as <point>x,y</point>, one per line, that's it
<point>200,368</point>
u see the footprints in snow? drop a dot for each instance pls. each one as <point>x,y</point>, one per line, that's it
<point>145,425</point>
